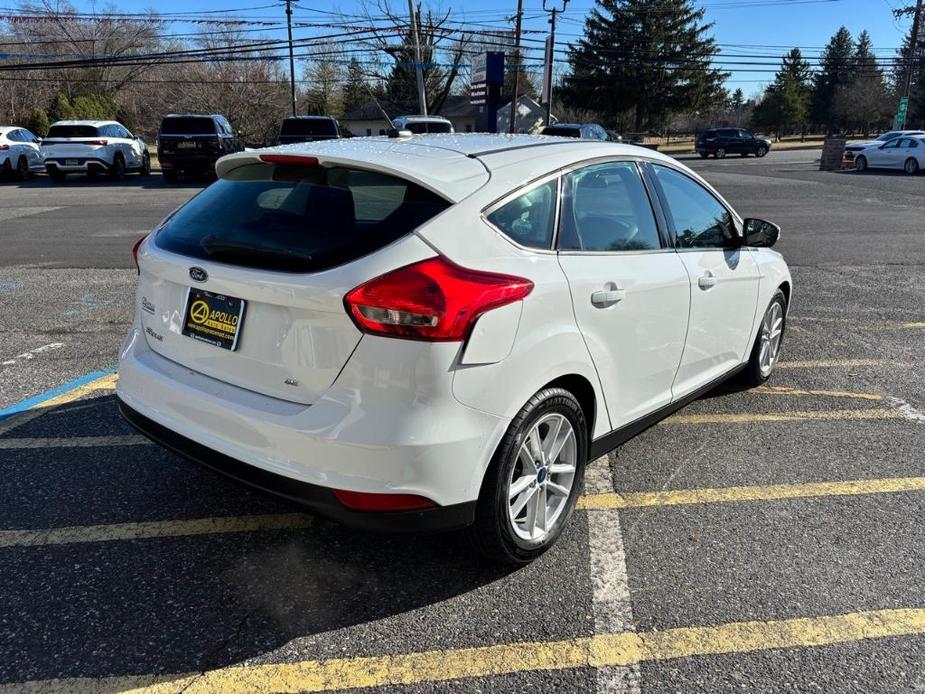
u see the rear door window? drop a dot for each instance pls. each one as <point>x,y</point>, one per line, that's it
<point>186,125</point>
<point>297,218</point>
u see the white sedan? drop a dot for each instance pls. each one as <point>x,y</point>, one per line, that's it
<point>434,332</point>
<point>20,155</point>
<point>905,153</point>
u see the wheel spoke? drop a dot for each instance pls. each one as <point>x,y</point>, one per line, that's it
<point>520,485</point>
<point>526,459</point>
<point>518,505</point>
<point>539,517</point>
<point>557,489</point>
<point>557,448</point>
<point>533,443</point>
<point>561,469</point>
<point>549,441</point>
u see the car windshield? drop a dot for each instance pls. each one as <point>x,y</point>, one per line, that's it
<point>308,126</point>
<point>72,131</point>
<point>297,218</point>
<point>187,126</point>
<point>886,137</point>
<point>422,127</point>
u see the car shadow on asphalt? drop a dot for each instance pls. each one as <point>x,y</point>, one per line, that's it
<point>189,603</point>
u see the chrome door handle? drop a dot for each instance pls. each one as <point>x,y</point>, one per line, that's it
<point>608,296</point>
<point>707,281</point>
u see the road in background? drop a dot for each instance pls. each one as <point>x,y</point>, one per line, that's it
<point>743,512</point>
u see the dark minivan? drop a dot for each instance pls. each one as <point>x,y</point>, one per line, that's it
<point>308,129</point>
<point>192,143</point>
<point>722,141</point>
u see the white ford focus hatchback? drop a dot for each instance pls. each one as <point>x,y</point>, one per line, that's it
<point>435,332</point>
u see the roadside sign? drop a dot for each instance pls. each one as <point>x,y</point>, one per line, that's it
<point>901,113</point>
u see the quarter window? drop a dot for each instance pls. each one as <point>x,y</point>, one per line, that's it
<point>528,219</point>
<point>700,220</point>
<point>606,208</point>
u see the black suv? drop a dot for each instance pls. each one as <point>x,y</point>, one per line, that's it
<point>191,143</point>
<point>722,141</point>
<point>308,129</point>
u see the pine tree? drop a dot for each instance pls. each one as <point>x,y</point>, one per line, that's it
<point>863,103</point>
<point>356,92</point>
<point>649,57</point>
<point>903,64</point>
<point>785,105</point>
<point>837,70</point>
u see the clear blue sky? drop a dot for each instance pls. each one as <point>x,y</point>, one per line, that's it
<point>742,27</point>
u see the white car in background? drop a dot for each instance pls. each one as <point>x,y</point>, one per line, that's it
<point>852,149</point>
<point>905,153</point>
<point>422,125</point>
<point>20,154</point>
<point>434,332</point>
<point>93,147</point>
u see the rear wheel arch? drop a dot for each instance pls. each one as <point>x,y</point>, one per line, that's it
<point>581,388</point>
<point>785,288</point>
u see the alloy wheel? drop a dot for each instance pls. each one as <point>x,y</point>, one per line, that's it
<point>721,153</point>
<point>911,166</point>
<point>542,477</point>
<point>772,330</point>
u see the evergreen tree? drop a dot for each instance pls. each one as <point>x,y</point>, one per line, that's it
<point>355,90</point>
<point>649,57</point>
<point>737,101</point>
<point>785,105</point>
<point>864,103</point>
<point>838,62</point>
<point>903,64</point>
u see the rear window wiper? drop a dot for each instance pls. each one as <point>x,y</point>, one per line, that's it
<point>216,248</point>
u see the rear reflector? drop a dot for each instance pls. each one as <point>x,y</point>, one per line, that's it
<point>289,159</point>
<point>432,300</point>
<point>362,501</point>
<point>3,147</point>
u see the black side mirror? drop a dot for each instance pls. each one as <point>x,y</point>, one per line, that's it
<point>761,234</point>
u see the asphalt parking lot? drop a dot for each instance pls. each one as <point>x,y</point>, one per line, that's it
<point>758,541</point>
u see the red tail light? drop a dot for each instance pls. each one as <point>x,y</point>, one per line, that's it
<point>363,501</point>
<point>99,142</point>
<point>135,252</point>
<point>290,159</point>
<point>432,300</point>
<point>2,147</point>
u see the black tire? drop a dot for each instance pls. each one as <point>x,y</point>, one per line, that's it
<point>860,163</point>
<point>911,166</point>
<point>491,534</point>
<point>22,169</point>
<point>170,175</point>
<point>117,171</point>
<point>703,155</point>
<point>145,169</point>
<point>720,153</point>
<point>761,151</point>
<point>752,375</point>
<point>56,175</point>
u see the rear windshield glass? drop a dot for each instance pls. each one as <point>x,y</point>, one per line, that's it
<point>187,126</point>
<point>297,218</point>
<point>421,128</point>
<point>72,131</point>
<point>562,132</point>
<point>312,126</point>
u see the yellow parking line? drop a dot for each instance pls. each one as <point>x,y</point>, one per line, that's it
<point>74,442</point>
<point>152,529</point>
<point>787,390</point>
<point>914,325</point>
<point>829,363</point>
<point>795,416</point>
<point>602,650</point>
<point>107,382</point>
<point>771,492</point>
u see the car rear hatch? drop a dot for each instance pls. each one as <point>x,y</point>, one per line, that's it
<point>73,142</point>
<point>188,135</point>
<point>245,283</point>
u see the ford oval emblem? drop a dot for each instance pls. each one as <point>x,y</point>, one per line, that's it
<point>197,274</point>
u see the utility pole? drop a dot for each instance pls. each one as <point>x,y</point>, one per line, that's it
<point>517,57</point>
<point>913,48</point>
<point>419,68</point>
<point>291,55</point>
<point>551,53</point>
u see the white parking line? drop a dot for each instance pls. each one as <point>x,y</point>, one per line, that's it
<point>74,442</point>
<point>31,354</point>
<point>612,609</point>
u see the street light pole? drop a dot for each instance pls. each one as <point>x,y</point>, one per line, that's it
<point>553,11</point>
<point>516,85</point>
<point>291,55</point>
<point>419,68</point>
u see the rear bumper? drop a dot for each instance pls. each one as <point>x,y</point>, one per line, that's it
<point>388,425</point>
<point>83,164</point>
<point>183,162</point>
<point>319,499</point>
